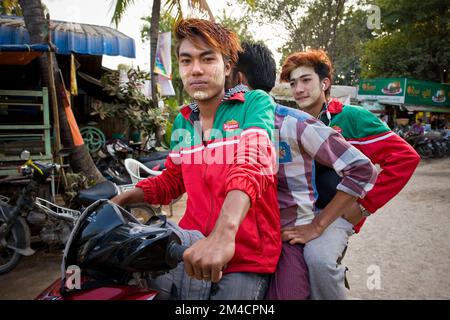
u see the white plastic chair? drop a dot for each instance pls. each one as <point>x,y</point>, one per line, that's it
<point>133,168</point>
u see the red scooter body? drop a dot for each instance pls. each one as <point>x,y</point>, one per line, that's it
<point>102,293</point>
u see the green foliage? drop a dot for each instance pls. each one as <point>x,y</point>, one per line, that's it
<point>240,26</point>
<point>394,56</point>
<point>129,102</point>
<point>119,9</point>
<point>172,109</point>
<point>10,7</point>
<point>338,27</point>
<point>169,6</point>
<point>414,41</point>
<point>347,50</point>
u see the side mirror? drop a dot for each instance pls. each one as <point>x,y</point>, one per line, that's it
<point>25,155</point>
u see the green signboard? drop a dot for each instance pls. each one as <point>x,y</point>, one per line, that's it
<point>427,93</point>
<point>388,90</point>
<point>405,91</point>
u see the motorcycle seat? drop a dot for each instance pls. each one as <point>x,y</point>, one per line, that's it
<point>102,190</point>
<point>158,155</point>
<point>157,165</point>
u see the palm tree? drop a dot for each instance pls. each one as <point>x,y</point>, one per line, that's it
<point>122,5</point>
<point>80,160</point>
<point>10,7</point>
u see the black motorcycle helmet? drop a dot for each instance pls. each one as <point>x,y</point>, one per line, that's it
<point>109,240</point>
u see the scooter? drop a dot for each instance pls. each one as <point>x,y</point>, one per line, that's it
<point>111,159</point>
<point>109,255</point>
<point>33,219</point>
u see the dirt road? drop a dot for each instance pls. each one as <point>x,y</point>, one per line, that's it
<point>403,251</point>
<point>407,241</point>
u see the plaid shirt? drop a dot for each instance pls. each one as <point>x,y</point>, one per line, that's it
<point>303,140</point>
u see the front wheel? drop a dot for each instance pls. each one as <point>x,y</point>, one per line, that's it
<point>9,258</point>
<point>18,237</point>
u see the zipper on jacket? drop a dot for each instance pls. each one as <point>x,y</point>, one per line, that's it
<point>211,198</point>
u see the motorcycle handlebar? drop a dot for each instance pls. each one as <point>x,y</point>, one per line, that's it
<point>176,251</point>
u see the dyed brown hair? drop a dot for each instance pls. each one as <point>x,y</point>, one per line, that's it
<point>213,34</point>
<point>316,59</point>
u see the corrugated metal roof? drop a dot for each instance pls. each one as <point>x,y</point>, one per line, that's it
<point>71,37</point>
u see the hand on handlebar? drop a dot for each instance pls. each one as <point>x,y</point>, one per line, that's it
<point>206,259</point>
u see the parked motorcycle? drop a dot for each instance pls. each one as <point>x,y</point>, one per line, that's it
<point>421,144</point>
<point>435,138</point>
<point>16,221</point>
<point>113,253</point>
<point>33,219</point>
<point>110,161</point>
<point>111,157</point>
<point>446,142</point>
<point>154,160</point>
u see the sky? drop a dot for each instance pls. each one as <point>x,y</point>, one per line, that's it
<point>99,12</point>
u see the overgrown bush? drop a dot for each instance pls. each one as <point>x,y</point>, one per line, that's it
<point>130,103</point>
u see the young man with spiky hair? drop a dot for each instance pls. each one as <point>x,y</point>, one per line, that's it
<point>310,75</point>
<point>223,157</point>
<point>303,141</point>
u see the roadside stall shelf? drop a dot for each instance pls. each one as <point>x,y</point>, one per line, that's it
<point>24,124</point>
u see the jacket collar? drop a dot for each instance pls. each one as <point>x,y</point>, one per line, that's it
<point>191,111</point>
<point>335,106</point>
<point>332,107</point>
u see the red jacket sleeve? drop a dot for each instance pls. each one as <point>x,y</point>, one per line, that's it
<point>397,160</point>
<point>165,187</point>
<point>254,163</point>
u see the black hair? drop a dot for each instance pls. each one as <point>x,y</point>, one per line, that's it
<point>257,64</point>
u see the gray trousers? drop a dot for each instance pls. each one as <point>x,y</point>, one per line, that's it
<point>323,255</point>
<point>240,286</point>
<point>177,285</point>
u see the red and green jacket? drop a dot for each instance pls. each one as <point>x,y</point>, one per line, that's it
<point>239,155</point>
<point>396,158</point>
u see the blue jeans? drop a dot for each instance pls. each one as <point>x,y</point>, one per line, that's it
<point>240,286</point>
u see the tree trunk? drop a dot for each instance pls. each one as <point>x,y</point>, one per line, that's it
<point>80,159</point>
<point>154,32</point>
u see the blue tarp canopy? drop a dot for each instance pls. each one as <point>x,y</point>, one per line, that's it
<point>71,37</point>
